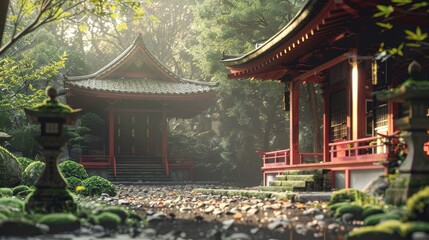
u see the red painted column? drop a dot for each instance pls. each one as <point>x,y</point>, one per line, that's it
<point>347,178</point>
<point>294,122</point>
<point>111,135</point>
<point>326,126</point>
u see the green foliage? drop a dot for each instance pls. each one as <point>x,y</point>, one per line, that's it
<point>60,222</point>
<point>377,218</point>
<point>10,170</point>
<point>32,173</point>
<point>106,219</point>
<point>120,211</point>
<point>93,122</point>
<point>23,138</point>
<point>96,185</point>
<point>18,190</point>
<point>387,230</point>
<point>408,228</point>
<point>371,210</point>
<point>6,192</point>
<point>70,168</point>
<point>24,162</point>
<point>348,195</point>
<point>418,206</point>
<point>354,209</point>
<point>13,203</point>
<point>72,183</point>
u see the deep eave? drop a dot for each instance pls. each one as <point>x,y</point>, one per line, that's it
<point>318,26</point>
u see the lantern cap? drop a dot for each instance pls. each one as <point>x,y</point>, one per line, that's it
<point>51,105</point>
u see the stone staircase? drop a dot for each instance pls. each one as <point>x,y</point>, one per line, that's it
<point>135,169</point>
<point>296,180</point>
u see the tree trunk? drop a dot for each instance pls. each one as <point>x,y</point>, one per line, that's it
<point>4,5</point>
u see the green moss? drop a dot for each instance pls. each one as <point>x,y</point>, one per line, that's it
<point>72,183</point>
<point>9,168</point>
<point>32,173</point>
<point>371,210</point>
<point>377,218</point>
<point>52,106</point>
<point>281,178</point>
<point>354,209</point>
<point>24,162</point>
<point>19,189</point>
<point>106,219</point>
<point>348,195</point>
<point>60,222</point>
<point>307,178</point>
<point>19,228</point>
<point>121,212</point>
<point>96,185</point>
<point>70,168</point>
<point>418,206</point>
<point>373,233</point>
<point>408,228</point>
<point>6,192</point>
<point>3,217</point>
<point>12,202</point>
<point>333,207</point>
<point>298,184</point>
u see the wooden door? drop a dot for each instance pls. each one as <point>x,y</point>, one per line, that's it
<point>132,134</point>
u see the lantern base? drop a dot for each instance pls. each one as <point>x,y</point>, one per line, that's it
<point>405,186</point>
<point>50,200</point>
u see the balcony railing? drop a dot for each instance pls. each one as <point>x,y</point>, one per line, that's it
<point>343,150</point>
<point>278,158</point>
<point>98,161</point>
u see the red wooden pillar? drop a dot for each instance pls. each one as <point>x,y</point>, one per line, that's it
<point>347,178</point>
<point>294,122</point>
<point>111,135</point>
<point>164,140</point>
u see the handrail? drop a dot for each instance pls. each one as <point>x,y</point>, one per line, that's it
<point>353,147</point>
<point>302,154</point>
<point>167,168</point>
<point>278,158</point>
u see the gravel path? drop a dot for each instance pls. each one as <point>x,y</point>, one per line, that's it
<point>180,212</point>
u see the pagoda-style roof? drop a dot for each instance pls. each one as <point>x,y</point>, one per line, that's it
<point>137,71</point>
<point>137,75</point>
<point>320,32</point>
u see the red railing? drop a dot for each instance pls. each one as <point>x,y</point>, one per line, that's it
<point>98,161</point>
<point>314,155</point>
<point>275,158</point>
<point>187,163</point>
<point>167,168</point>
<point>354,148</point>
<point>114,165</point>
<point>426,148</point>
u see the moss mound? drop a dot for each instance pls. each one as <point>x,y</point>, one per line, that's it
<point>32,173</point>
<point>6,192</point>
<point>418,206</point>
<point>60,222</point>
<point>348,195</point>
<point>106,219</point>
<point>121,212</point>
<point>72,183</point>
<point>21,190</point>
<point>96,185</point>
<point>354,209</point>
<point>70,168</point>
<point>10,170</point>
<point>371,210</point>
<point>378,218</point>
<point>24,162</point>
<point>19,228</point>
<point>387,230</point>
<point>13,203</point>
<point>408,228</point>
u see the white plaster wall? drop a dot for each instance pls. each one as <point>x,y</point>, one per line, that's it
<point>360,178</point>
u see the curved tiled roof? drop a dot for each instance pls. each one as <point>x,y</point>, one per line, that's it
<point>145,86</point>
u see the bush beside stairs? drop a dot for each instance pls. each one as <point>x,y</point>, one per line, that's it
<point>296,180</point>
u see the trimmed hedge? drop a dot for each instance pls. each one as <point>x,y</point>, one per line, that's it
<point>418,206</point>
<point>32,173</point>
<point>10,170</point>
<point>96,185</point>
<point>70,168</point>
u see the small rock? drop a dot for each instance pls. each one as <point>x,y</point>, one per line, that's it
<point>239,236</point>
<point>209,209</point>
<point>123,202</point>
<point>419,236</point>
<point>252,211</point>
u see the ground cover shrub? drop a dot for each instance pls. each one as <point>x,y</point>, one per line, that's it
<point>10,170</point>
<point>371,210</point>
<point>96,185</point>
<point>120,211</point>
<point>24,162</point>
<point>387,230</point>
<point>418,206</point>
<point>72,183</point>
<point>375,219</point>
<point>32,173</point>
<point>60,222</point>
<point>70,168</point>
<point>13,203</point>
<point>354,209</point>
<point>106,219</point>
<point>408,228</point>
<point>348,195</point>
<point>16,228</point>
<point>333,208</point>
<point>6,192</point>
<point>19,190</point>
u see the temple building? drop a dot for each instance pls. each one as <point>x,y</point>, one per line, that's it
<point>333,44</point>
<point>136,96</point>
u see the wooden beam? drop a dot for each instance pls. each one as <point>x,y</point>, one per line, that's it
<point>322,67</point>
<point>294,122</point>
<point>111,135</point>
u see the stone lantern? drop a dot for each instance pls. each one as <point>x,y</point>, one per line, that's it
<point>51,194</point>
<point>414,171</point>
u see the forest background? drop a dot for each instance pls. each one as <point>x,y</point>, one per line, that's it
<point>190,38</point>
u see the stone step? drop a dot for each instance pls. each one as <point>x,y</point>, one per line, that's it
<point>308,178</point>
<point>303,172</point>
<point>275,188</point>
<point>298,184</point>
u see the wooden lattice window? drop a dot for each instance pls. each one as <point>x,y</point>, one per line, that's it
<point>381,116</point>
<point>338,115</point>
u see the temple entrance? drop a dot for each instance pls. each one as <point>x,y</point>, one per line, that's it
<point>137,134</point>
